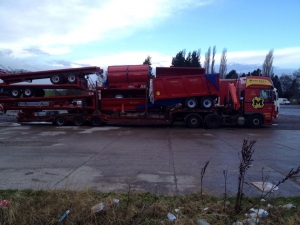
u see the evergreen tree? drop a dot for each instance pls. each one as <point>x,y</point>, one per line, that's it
<point>232,75</point>
<point>148,61</point>
<point>191,60</point>
<point>179,59</point>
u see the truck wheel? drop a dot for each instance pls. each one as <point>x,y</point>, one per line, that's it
<point>72,79</point>
<point>78,121</point>
<point>56,79</point>
<point>191,103</point>
<point>255,121</point>
<point>194,121</point>
<point>15,92</point>
<point>212,121</point>
<point>60,121</point>
<point>96,121</point>
<point>207,102</point>
<point>28,92</point>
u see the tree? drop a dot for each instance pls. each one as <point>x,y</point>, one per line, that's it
<point>290,84</point>
<point>179,59</point>
<point>223,64</point>
<point>294,89</point>
<point>268,64</point>
<point>232,75</point>
<point>277,84</point>
<point>213,60</point>
<point>188,60</point>
<point>246,75</point>
<point>102,78</point>
<point>191,60</point>
<point>296,75</point>
<point>286,83</point>
<point>256,72</point>
<point>148,62</point>
<point>207,60</point>
<point>196,56</point>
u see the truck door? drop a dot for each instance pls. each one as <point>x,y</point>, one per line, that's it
<point>260,101</point>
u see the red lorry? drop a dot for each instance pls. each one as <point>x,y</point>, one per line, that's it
<point>130,95</point>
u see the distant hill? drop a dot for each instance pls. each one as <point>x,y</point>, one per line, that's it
<point>245,68</point>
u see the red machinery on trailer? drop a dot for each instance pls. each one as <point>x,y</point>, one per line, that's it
<point>130,95</point>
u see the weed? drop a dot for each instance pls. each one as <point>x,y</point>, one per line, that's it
<point>245,163</point>
<point>201,180</point>
<point>46,207</point>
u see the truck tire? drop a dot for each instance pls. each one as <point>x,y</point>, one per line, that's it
<point>60,121</point>
<point>72,79</point>
<point>96,121</point>
<point>255,121</point>
<point>56,79</point>
<point>15,92</point>
<point>78,121</point>
<point>194,121</point>
<point>207,102</point>
<point>191,103</point>
<point>212,121</point>
<point>28,92</point>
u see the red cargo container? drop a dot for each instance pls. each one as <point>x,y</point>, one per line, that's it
<point>128,76</point>
<point>189,86</point>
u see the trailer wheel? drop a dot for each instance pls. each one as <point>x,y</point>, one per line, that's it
<point>28,92</point>
<point>56,79</point>
<point>212,121</point>
<point>96,121</point>
<point>255,121</point>
<point>15,92</point>
<point>207,102</point>
<point>72,79</point>
<point>191,103</point>
<point>60,121</point>
<point>119,96</point>
<point>194,121</point>
<point>78,121</point>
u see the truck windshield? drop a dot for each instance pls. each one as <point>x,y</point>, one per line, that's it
<point>266,94</point>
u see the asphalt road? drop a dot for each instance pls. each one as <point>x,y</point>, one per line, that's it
<point>157,159</point>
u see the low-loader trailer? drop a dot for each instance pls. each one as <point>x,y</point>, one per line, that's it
<point>130,95</point>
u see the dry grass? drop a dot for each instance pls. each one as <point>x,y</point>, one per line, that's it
<point>46,207</point>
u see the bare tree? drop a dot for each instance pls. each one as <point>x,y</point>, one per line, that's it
<point>101,79</point>
<point>268,64</point>
<point>207,60</point>
<point>213,60</point>
<point>223,64</point>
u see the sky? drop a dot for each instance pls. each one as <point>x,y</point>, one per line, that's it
<point>52,34</point>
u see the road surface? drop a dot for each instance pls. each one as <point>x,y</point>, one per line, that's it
<point>157,159</point>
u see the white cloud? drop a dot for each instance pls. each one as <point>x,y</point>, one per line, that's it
<point>286,57</point>
<point>54,24</point>
<point>31,30</point>
<point>128,58</point>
